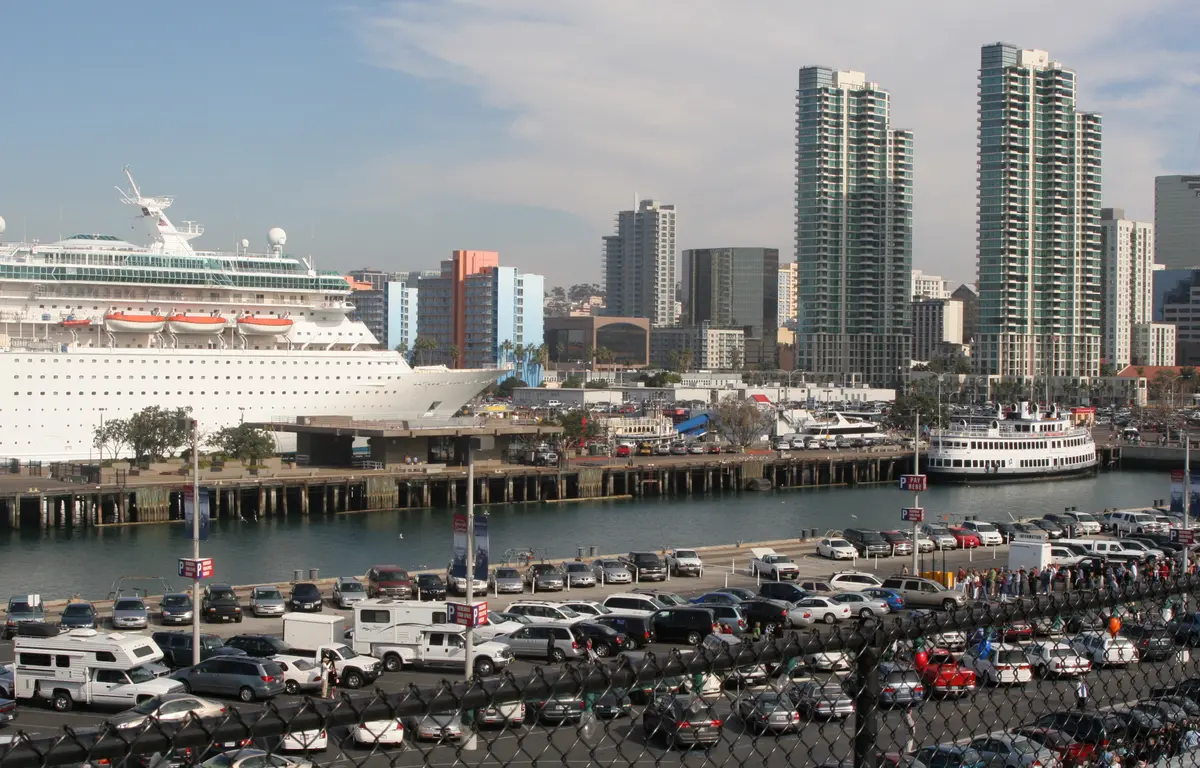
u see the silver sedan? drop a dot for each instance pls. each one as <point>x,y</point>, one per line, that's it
<point>611,571</point>
<point>579,574</point>
<point>267,601</point>
<point>504,580</point>
<point>863,606</point>
<point>130,613</point>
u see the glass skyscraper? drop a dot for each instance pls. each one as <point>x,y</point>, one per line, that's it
<point>853,229</point>
<point>735,288</point>
<point>1039,220</point>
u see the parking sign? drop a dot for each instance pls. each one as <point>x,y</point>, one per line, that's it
<point>912,514</point>
<point>914,483</point>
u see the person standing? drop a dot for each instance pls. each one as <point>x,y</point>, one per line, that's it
<point>1081,693</point>
<point>330,677</point>
<point>550,648</point>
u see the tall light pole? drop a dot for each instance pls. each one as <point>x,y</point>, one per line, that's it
<point>470,594</point>
<point>196,541</point>
<point>916,496</point>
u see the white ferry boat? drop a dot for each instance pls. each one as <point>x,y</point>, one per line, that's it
<point>94,327</point>
<point>1023,444</point>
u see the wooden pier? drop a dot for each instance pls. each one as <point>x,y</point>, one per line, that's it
<point>39,502</point>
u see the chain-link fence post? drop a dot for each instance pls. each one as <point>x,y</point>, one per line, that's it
<point>866,702</point>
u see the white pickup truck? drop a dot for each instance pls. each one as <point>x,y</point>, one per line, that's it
<point>684,562</point>
<point>769,564</point>
<point>435,645</point>
<point>317,635</point>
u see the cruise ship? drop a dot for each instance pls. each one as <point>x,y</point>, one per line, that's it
<point>1023,444</point>
<point>94,327</point>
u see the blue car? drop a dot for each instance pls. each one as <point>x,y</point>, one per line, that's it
<point>717,598</point>
<point>894,599</point>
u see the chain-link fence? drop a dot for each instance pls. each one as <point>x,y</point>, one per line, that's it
<point>1075,677</point>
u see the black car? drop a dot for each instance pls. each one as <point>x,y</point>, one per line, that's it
<point>766,613</point>
<point>259,646</point>
<point>637,629</point>
<point>1160,541</point>
<point>606,641</point>
<point>1052,529</point>
<point>781,590</point>
<point>1095,728</point>
<point>612,704</point>
<point>220,603</point>
<point>1186,629</point>
<point>867,541</point>
<point>305,597</point>
<point>682,625</point>
<point>1153,643</point>
<point>79,616</point>
<point>177,647</point>
<point>431,586</point>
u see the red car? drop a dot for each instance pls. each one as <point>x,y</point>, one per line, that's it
<point>712,448</point>
<point>944,675</point>
<point>966,539</point>
<point>624,451</point>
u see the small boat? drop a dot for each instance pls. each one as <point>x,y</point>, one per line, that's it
<point>196,323</point>
<point>122,322</point>
<point>263,325</point>
<point>75,322</point>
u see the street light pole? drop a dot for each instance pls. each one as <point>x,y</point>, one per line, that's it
<point>916,496</point>
<point>470,594</point>
<point>196,541</point>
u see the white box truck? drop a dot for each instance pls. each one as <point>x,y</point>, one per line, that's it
<point>431,645</point>
<point>85,667</point>
<point>318,635</point>
<point>1028,551</point>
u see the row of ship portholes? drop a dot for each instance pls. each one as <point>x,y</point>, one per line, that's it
<point>228,360</point>
<point>217,378</point>
<point>997,463</point>
<point>205,393</point>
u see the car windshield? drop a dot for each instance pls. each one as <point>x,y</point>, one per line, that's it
<point>425,580</point>
<point>568,612</point>
<point>149,706</point>
<point>268,593</point>
<point>507,573</point>
<point>140,675</point>
<point>610,564</point>
<point>303,665</point>
<point>20,606</point>
<point>907,678</point>
<point>78,609</point>
<point>669,598</point>
<point>517,617</point>
<point>967,758</point>
<point>351,586</point>
<point>178,601</point>
<point>1085,518</point>
<point>647,559</point>
<point>937,530</point>
<point>985,528</point>
<point>305,590</point>
<point>829,689</point>
<point>342,651</point>
<point>839,543</point>
<point>441,720</point>
<point>689,553</point>
<point>221,594</point>
<point>578,567</point>
<point>128,605</point>
<point>1058,653</point>
<point>598,609</point>
<point>1011,657</point>
<point>393,576</point>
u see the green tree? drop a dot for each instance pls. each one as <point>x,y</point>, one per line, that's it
<point>155,433</point>
<point>244,441</point>
<point>735,360</point>
<point>423,348</point>
<point>574,381</point>
<point>506,387</point>
<point>596,384</point>
<point>741,421</point>
<point>507,347</point>
<point>577,426</point>
<point>660,379</point>
<point>908,404</point>
<point>455,355</point>
<point>112,437</point>
<point>402,348</point>
<point>1108,369</point>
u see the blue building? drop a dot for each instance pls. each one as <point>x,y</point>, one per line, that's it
<point>503,316</point>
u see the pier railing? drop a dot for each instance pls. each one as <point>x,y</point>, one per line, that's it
<point>994,682</point>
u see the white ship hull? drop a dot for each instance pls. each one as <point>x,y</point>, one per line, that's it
<point>55,400</point>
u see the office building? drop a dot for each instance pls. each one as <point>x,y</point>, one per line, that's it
<point>1180,292</point>
<point>389,312</point>
<point>853,229</point>
<point>1177,221</point>
<point>1128,286</point>
<point>1040,259</point>
<point>787,295</point>
<point>706,348</point>
<point>639,264</point>
<point>619,341</point>
<point>967,294</point>
<point>735,288</point>
<point>929,286</point>
<point>936,324</point>
<point>1153,344</point>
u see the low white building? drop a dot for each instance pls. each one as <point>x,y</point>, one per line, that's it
<point>1153,344</point>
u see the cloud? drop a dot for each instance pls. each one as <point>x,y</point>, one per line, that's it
<point>692,101</point>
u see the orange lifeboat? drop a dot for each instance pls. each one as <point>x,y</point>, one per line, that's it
<point>75,323</point>
<point>196,323</point>
<point>122,322</point>
<point>263,325</point>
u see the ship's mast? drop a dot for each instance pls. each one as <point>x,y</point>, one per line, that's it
<point>166,236</point>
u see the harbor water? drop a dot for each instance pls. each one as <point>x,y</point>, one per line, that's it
<point>85,561</point>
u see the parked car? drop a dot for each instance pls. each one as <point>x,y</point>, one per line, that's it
<point>624,451</point>
<point>23,609</point>
<point>1005,665</point>
<point>894,599</point>
<point>587,607</point>
<point>79,615</point>
<point>299,673</point>
<point>533,641</point>
<point>556,710</point>
<point>769,711</point>
<point>825,609</point>
<point>389,581</point>
<point>684,562</point>
<point>862,605</point>
<point>347,591</point>
<point>545,577</point>
<point>579,574</point>
<point>716,598</point>
<point>836,549</point>
<point>435,727</point>
<point>941,536</point>
<point>638,630</point>
<point>247,678</point>
<point>177,647</point>
<point>925,593</point>
<point>220,603</point>
<point>305,596</point>
<point>683,625</point>
<point>670,598</point>
<point>1102,649</point>
<point>1096,728</point>
<point>176,608</point>
<point>130,613</point>
<point>822,698</point>
<point>1056,659</point>
<point>868,542</point>
<point>901,543</point>
<point>646,566</point>
<point>611,571</point>
<point>634,603</point>
<point>612,703</point>
<point>769,614</point>
<point>853,581</point>
<point>606,641</point>
<point>989,535</point>
<point>965,538</point>
<point>431,586</point>
<point>899,685</point>
<point>947,756</point>
<point>1152,643</point>
<point>681,720</point>
<point>259,646</point>
<point>781,590</point>
<point>167,708</point>
<point>942,673</point>
<point>505,580</point>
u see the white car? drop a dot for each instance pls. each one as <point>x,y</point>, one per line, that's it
<point>836,549</point>
<point>304,741</point>
<point>828,661</point>
<point>587,607</point>
<point>854,581</point>
<point>824,609</point>
<point>1138,546</point>
<point>1085,523</point>
<point>6,681</point>
<point>988,534</point>
<point>942,538</point>
<point>497,626</point>
<point>379,732</point>
<point>1056,658</point>
<point>299,673</point>
<point>1004,665</point>
<point>1102,649</point>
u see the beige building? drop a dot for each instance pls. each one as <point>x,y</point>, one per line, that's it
<point>711,348</point>
<point>787,295</point>
<point>1128,282</point>
<point>1153,344</point>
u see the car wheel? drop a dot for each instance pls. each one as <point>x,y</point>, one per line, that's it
<point>186,687</point>
<point>291,687</point>
<point>246,694</point>
<point>484,667</point>
<point>353,679</point>
<point>830,618</point>
<point>693,638</point>
<point>558,656</point>
<point>865,613</point>
<point>602,650</point>
<point>238,620</point>
<point>392,662</point>
<point>1041,671</point>
<point>61,701</point>
<point>949,605</point>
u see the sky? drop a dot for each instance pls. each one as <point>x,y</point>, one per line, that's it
<point>388,134</point>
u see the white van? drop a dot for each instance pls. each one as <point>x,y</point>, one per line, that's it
<point>988,534</point>
<point>1084,523</point>
<point>84,666</point>
<point>1125,523</point>
<point>1103,547</point>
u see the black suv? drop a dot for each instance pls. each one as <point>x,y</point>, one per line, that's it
<point>220,604</point>
<point>1096,728</point>
<point>260,646</point>
<point>781,590</point>
<point>765,613</point>
<point>867,541</point>
<point>646,566</point>
<point>683,625</point>
<point>637,629</point>
<point>430,586</point>
<point>1153,643</point>
<point>177,647</point>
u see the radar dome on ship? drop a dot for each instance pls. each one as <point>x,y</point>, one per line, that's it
<point>245,243</point>
<point>276,237</point>
<point>2,225</point>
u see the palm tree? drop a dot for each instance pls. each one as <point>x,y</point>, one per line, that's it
<point>591,357</point>
<point>402,348</point>
<point>507,348</point>
<point>423,346</point>
<point>455,355</point>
